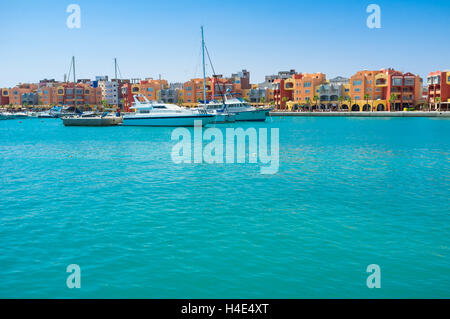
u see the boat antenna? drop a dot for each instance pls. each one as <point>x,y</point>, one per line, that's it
<point>204,72</point>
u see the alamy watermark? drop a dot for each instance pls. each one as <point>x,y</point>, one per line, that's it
<point>374,19</point>
<point>74,19</point>
<point>222,149</point>
<point>74,279</point>
<point>374,279</point>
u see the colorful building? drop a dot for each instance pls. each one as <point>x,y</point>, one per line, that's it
<point>110,91</point>
<point>400,90</point>
<point>149,88</point>
<point>331,93</point>
<point>282,93</point>
<point>305,87</point>
<point>4,96</point>
<point>383,90</point>
<point>84,94</point>
<point>438,88</point>
<point>16,93</point>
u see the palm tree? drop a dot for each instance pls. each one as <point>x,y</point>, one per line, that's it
<point>392,99</point>
<point>349,100</point>
<point>438,101</point>
<point>315,99</point>
<point>366,97</point>
<point>262,100</point>
<point>308,105</point>
<point>340,100</point>
<point>284,100</point>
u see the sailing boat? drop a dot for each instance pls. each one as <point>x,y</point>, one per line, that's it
<point>88,119</point>
<point>221,114</point>
<point>164,114</point>
<point>231,108</point>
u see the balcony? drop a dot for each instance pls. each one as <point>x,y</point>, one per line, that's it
<point>381,80</point>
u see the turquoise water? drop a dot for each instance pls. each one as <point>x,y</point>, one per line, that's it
<point>349,192</point>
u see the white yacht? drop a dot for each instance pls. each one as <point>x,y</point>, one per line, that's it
<point>164,114</point>
<point>241,109</point>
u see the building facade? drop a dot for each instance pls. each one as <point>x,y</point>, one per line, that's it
<point>110,92</point>
<point>438,88</point>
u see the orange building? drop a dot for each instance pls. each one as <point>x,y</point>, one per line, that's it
<point>84,94</point>
<point>373,90</point>
<point>362,85</point>
<point>149,88</point>
<point>47,95</point>
<point>305,86</point>
<point>15,94</point>
<point>193,91</point>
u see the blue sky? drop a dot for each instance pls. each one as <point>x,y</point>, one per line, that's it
<point>163,37</point>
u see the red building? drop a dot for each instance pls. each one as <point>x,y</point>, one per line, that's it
<point>439,87</point>
<point>4,96</point>
<point>282,92</point>
<point>405,89</point>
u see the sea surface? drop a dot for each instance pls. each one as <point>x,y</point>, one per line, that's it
<point>349,192</point>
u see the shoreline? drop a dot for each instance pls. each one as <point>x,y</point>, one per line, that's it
<point>364,114</point>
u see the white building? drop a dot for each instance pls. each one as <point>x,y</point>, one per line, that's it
<point>110,92</point>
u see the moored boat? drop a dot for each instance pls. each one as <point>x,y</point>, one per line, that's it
<point>92,120</point>
<point>242,110</point>
<point>164,114</point>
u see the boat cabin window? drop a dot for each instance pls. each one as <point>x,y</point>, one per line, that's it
<point>159,107</point>
<point>144,111</point>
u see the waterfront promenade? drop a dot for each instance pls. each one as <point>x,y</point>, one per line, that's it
<point>364,114</point>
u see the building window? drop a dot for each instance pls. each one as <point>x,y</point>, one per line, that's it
<point>357,97</point>
<point>409,82</point>
<point>397,81</point>
<point>357,82</point>
<point>307,84</point>
<point>357,90</point>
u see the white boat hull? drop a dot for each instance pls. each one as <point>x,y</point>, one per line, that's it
<point>182,120</point>
<point>251,115</point>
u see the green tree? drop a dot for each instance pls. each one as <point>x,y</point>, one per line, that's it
<point>392,99</point>
<point>438,101</point>
<point>340,100</point>
<point>366,97</point>
<point>315,99</point>
<point>349,100</point>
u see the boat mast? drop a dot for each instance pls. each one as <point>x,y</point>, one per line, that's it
<point>160,89</point>
<point>74,86</point>
<point>115,68</point>
<point>204,73</point>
